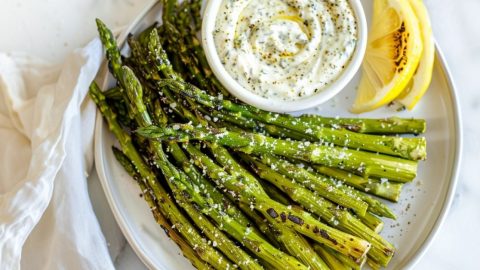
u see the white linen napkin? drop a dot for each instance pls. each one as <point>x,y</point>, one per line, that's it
<point>46,148</point>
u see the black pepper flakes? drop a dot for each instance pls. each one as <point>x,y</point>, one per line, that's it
<point>295,219</point>
<point>283,216</point>
<point>272,213</point>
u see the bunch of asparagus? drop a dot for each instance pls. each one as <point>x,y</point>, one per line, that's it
<point>238,187</point>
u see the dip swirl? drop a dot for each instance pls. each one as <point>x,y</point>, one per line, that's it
<point>285,49</point>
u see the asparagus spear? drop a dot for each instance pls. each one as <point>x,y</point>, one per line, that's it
<point>241,233</point>
<point>169,8</point>
<point>332,261</point>
<point>165,205</point>
<point>195,8</point>
<point>273,129</point>
<point>340,195</point>
<point>261,222</point>
<point>372,221</point>
<point>196,59</point>
<point>366,164</point>
<point>114,93</point>
<point>274,193</point>
<point>325,185</point>
<point>292,217</point>
<point>298,247</point>
<point>183,18</point>
<point>255,126</point>
<point>325,190</point>
<point>250,239</point>
<point>294,243</point>
<point>218,239</point>
<point>187,251</point>
<point>373,265</point>
<point>135,97</point>
<point>393,125</point>
<point>111,48</point>
<point>194,71</point>
<point>410,148</point>
<point>387,190</point>
<point>344,260</point>
<point>160,61</point>
<point>112,54</point>
<point>381,250</point>
<point>158,56</point>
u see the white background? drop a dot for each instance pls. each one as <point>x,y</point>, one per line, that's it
<point>52,28</point>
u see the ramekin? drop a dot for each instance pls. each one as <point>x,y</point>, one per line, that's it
<point>276,105</point>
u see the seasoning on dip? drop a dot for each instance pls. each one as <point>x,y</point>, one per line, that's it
<point>285,50</point>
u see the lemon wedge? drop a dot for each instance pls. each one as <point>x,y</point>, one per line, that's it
<point>422,78</point>
<point>393,52</point>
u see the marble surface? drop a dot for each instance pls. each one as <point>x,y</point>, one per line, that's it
<point>52,28</point>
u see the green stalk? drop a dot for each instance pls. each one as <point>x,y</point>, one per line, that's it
<point>177,180</point>
<point>195,9</point>
<point>260,222</point>
<point>409,148</point>
<point>342,196</point>
<point>372,221</point>
<point>165,205</point>
<point>294,243</point>
<point>366,164</point>
<point>159,58</point>
<point>187,251</point>
<point>393,125</point>
<point>194,72</point>
<point>134,93</point>
<point>207,188</point>
<point>292,217</point>
<point>244,234</point>
<point>274,193</point>
<point>253,125</point>
<point>320,183</point>
<point>346,262</point>
<point>231,226</point>
<point>387,190</point>
<point>169,8</point>
<point>183,19</point>
<point>332,261</point>
<point>195,56</point>
<point>217,238</point>
<point>114,93</point>
<point>381,250</point>
<point>112,53</point>
<point>249,182</point>
<point>373,264</point>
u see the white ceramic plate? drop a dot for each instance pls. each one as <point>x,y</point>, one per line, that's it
<point>421,210</point>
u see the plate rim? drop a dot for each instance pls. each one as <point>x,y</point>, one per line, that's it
<point>122,223</point>
<point>424,246</point>
<point>447,202</point>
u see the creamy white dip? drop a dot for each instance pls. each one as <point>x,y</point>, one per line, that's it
<point>285,50</point>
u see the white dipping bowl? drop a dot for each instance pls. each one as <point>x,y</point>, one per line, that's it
<point>275,105</point>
